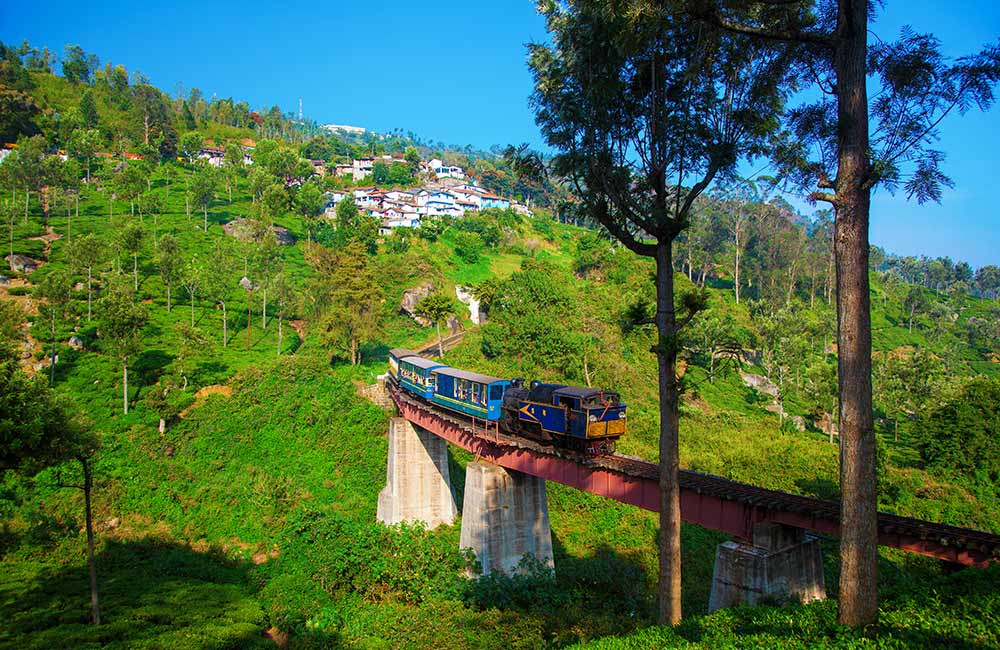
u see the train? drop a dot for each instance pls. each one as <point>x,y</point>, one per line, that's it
<point>579,418</point>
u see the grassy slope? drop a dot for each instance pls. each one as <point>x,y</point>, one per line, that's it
<point>199,506</point>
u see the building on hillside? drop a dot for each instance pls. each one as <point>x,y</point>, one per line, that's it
<point>448,172</point>
<point>214,156</point>
<point>490,200</point>
<point>523,210</point>
<point>362,168</point>
<point>319,167</point>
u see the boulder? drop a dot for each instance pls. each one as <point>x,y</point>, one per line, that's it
<point>454,325</point>
<point>79,286</point>
<point>411,297</point>
<point>799,422</point>
<point>22,263</point>
<point>4,281</point>
<point>240,229</point>
<point>761,384</point>
<point>75,342</point>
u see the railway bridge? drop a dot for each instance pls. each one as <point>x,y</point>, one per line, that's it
<point>774,554</point>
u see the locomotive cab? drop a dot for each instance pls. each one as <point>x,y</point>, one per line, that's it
<point>592,418</point>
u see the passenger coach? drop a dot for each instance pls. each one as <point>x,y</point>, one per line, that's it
<point>469,392</point>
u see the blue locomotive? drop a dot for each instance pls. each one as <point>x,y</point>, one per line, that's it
<point>585,419</point>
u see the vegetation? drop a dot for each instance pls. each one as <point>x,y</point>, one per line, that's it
<point>229,490</point>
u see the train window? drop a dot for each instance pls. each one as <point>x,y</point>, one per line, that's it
<point>475,392</point>
<point>496,392</point>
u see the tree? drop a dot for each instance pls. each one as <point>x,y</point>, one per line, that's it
<point>352,224</point>
<point>191,143</point>
<point>120,328</point>
<point>130,183</point>
<point>88,109</point>
<point>436,307</point>
<point>469,246</point>
<point>88,251</point>
<point>152,203</point>
<point>84,144</point>
<point>203,190</point>
<point>833,146</point>
<point>169,261</point>
<point>914,302</point>
<point>646,110</point>
<point>131,239</point>
<point>346,303</point>
<point>77,65</point>
<point>309,202</point>
<point>286,300</point>
<point>38,430</point>
<point>219,284</point>
<point>962,435</point>
<point>56,289</point>
<point>193,278</point>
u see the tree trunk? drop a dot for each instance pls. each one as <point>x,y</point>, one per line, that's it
<point>669,579</point>
<point>27,195</point>
<point>90,292</point>
<point>859,506</point>
<point>88,485</point>
<point>125,385</point>
<point>135,271</point>
<point>263,309</point>
<point>168,297</point>
<point>736,272</point>
<point>192,309</point>
<point>52,364</point>
<point>279,335</point>
<point>187,206</point>
<point>204,211</point>
<point>437,324</point>
<point>249,318</point>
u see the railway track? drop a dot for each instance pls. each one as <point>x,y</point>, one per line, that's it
<point>906,533</point>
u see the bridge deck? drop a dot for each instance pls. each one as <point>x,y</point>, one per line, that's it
<point>706,500</point>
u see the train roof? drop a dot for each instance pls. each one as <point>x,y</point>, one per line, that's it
<point>399,353</point>
<point>465,374</point>
<point>421,362</point>
<point>581,391</point>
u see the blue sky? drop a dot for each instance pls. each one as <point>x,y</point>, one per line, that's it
<point>456,72</point>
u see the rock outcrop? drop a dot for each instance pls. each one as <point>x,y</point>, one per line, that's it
<point>411,297</point>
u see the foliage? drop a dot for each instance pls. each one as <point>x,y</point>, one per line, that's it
<point>962,435</point>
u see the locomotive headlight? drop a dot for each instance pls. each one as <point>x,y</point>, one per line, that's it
<point>621,415</point>
<point>592,418</point>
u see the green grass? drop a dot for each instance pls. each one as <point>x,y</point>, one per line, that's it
<point>231,483</point>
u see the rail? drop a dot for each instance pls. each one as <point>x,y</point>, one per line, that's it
<point>708,500</point>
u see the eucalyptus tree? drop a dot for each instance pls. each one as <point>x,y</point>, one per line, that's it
<point>120,328</point>
<point>203,190</point>
<point>646,109</point>
<point>131,238</point>
<point>57,291</point>
<point>220,283</point>
<point>84,144</point>
<point>845,144</point>
<point>152,203</point>
<point>169,261</point>
<point>88,251</point>
<point>193,278</point>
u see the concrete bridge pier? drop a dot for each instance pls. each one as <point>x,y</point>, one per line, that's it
<point>783,563</point>
<point>417,483</point>
<point>505,515</point>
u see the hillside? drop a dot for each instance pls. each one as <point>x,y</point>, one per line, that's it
<point>234,501</point>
